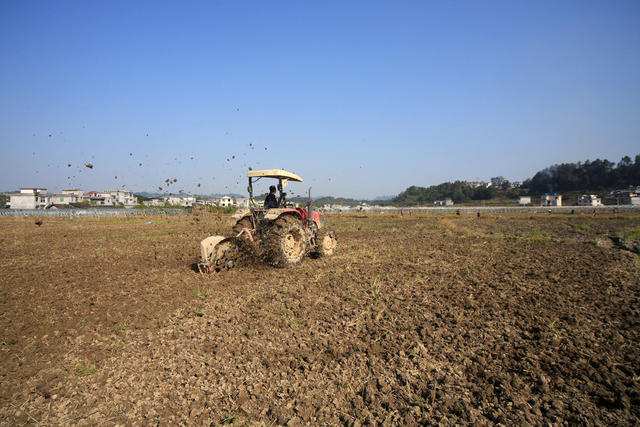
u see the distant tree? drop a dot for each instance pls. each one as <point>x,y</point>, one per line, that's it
<point>500,182</point>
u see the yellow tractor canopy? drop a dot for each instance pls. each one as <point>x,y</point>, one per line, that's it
<point>275,173</point>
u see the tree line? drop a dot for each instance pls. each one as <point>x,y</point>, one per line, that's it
<point>598,175</point>
<point>589,176</point>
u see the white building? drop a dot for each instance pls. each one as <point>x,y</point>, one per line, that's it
<point>153,202</point>
<point>589,200</point>
<point>243,202</point>
<point>112,198</point>
<point>524,200</point>
<point>478,184</point>
<point>180,201</point>
<point>74,192</point>
<point>123,197</point>
<point>30,198</point>
<point>63,199</point>
<point>225,201</point>
<point>445,202</point>
<point>99,199</point>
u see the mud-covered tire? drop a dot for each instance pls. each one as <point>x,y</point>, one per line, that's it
<point>326,243</point>
<point>244,222</point>
<point>284,243</point>
<point>225,255</point>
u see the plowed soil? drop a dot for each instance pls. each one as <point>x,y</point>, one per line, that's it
<point>512,319</point>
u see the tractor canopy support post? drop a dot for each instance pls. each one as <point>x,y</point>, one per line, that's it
<point>309,210</point>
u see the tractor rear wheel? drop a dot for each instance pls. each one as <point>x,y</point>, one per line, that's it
<point>284,242</point>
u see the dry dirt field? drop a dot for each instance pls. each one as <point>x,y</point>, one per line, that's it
<point>513,319</point>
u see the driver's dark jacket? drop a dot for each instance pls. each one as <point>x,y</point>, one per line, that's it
<point>270,201</point>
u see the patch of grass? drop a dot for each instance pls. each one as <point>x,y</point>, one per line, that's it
<point>198,312</point>
<point>580,227</point>
<point>198,293</point>
<point>82,369</point>
<point>634,235</point>
<point>537,236</point>
<point>122,326</point>
<point>287,317</point>
<point>228,419</point>
<point>374,288</point>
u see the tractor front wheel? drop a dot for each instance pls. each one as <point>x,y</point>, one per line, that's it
<point>326,243</point>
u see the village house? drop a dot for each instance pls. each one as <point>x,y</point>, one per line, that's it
<point>123,197</point>
<point>629,196</point>
<point>99,199</point>
<point>74,192</point>
<point>153,202</point>
<point>551,199</point>
<point>30,198</point>
<point>112,198</point>
<point>186,201</point>
<point>65,198</point>
<point>589,200</point>
<point>524,200</point>
<point>225,201</point>
<point>204,202</point>
<point>445,202</point>
<point>478,184</point>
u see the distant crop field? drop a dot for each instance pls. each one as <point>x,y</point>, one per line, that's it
<point>417,319</point>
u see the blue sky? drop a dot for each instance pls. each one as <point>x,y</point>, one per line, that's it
<point>359,98</point>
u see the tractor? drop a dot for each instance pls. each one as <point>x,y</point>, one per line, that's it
<point>279,236</point>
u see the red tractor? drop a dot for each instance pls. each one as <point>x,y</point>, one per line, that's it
<point>279,236</point>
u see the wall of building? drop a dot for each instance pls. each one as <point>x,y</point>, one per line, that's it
<point>22,201</point>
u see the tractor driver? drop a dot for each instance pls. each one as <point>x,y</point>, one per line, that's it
<point>270,201</point>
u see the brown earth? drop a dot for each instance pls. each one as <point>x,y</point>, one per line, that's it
<point>512,319</point>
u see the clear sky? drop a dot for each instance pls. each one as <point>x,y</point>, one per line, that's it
<point>361,99</point>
